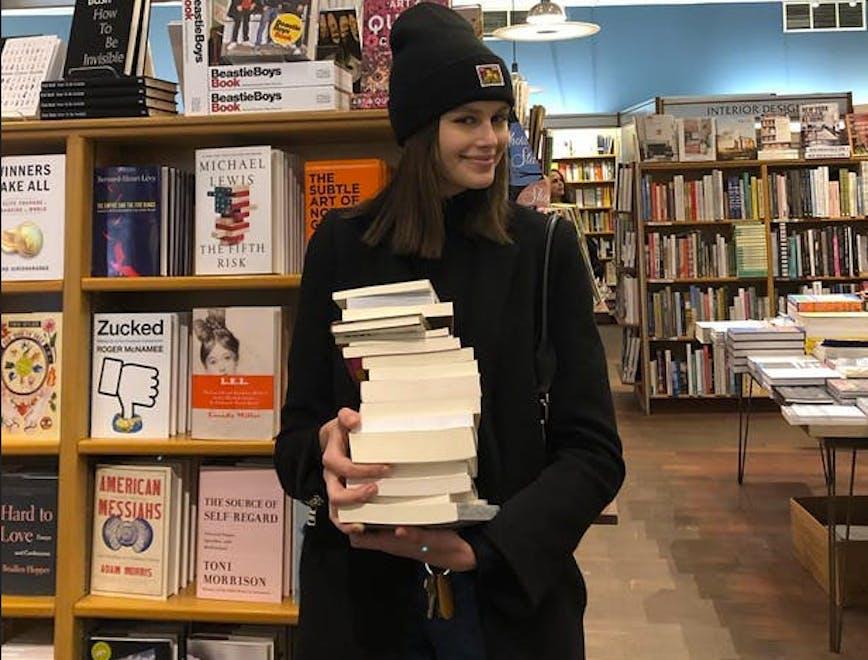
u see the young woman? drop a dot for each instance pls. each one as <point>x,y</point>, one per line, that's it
<point>560,194</point>
<point>445,217</point>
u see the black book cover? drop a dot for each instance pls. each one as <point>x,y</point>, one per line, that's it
<point>108,102</point>
<point>102,113</point>
<point>92,84</point>
<point>56,96</point>
<point>29,531</point>
<point>118,648</point>
<point>103,38</point>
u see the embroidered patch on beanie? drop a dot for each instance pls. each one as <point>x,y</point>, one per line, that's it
<point>490,75</point>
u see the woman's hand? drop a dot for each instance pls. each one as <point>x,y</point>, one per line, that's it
<point>438,547</point>
<point>334,441</point>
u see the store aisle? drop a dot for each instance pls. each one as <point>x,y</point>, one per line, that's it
<point>700,568</point>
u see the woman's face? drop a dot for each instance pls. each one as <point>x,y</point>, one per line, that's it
<point>471,141</point>
<point>221,360</point>
<point>557,185</point>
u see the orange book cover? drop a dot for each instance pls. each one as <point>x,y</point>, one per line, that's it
<point>339,184</point>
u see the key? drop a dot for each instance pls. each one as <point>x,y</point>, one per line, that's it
<point>431,590</point>
<point>445,601</point>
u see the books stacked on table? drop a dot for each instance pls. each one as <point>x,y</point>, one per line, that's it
<point>787,395</point>
<point>829,316</point>
<point>420,403</point>
<point>838,415</point>
<point>847,390</point>
<point>125,96</point>
<point>777,370</point>
<point>768,340</point>
<point>862,404</point>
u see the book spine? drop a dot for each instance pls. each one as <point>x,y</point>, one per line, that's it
<point>195,18</point>
<point>280,74</point>
<point>277,99</point>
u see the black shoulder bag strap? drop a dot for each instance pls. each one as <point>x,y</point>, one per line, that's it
<point>545,359</point>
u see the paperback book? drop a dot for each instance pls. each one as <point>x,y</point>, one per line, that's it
<point>658,137</point>
<point>106,38</point>
<point>857,130</point>
<point>340,41</point>
<point>822,131</point>
<point>696,139</point>
<point>33,216</point>
<point>31,361</point>
<point>736,138</point>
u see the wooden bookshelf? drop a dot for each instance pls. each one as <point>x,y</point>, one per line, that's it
<point>29,447</point>
<point>191,283</point>
<point>177,446</point>
<point>704,280</point>
<point>45,286</point>
<point>186,607</point>
<point>27,607</point>
<point>820,278</point>
<point>813,221</point>
<point>700,223</point>
<point>599,233</point>
<point>601,182</point>
<point>572,159</point>
<point>92,143</point>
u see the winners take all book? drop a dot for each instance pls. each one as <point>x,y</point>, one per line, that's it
<point>30,359</point>
<point>33,217</point>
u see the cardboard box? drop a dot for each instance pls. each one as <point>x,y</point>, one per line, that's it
<point>808,517</point>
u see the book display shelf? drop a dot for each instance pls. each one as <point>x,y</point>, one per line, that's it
<point>168,141</point>
<point>766,285</point>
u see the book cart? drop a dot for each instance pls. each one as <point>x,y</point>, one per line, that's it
<point>143,141</point>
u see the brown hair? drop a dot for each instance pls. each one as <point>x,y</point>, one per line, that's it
<point>409,211</point>
<point>213,331</point>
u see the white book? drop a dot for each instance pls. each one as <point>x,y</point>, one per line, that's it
<point>234,207</point>
<point>229,648</point>
<point>417,410</point>
<point>437,314</point>
<point>407,447</point>
<point>435,513</point>
<point>277,99</point>
<point>419,359</point>
<point>419,486</point>
<point>374,348</point>
<point>383,295</point>
<point>265,75</point>
<point>33,217</point>
<point>131,375</point>
<point>420,388</point>
<point>424,372</point>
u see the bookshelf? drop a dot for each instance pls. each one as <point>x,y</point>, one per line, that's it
<point>771,285</point>
<point>171,141</point>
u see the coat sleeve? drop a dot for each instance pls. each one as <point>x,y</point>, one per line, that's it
<point>310,399</point>
<point>524,550</point>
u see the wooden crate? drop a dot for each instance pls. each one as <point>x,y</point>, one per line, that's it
<point>810,541</point>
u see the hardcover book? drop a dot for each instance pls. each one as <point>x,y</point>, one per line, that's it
<point>234,206</point>
<point>104,37</point>
<point>823,132</point>
<point>236,363</point>
<point>132,375</point>
<point>240,538</point>
<point>338,184</point>
<point>31,359</point>
<point>29,519</point>
<point>857,130</point>
<point>736,138</point>
<point>340,42</point>
<point>127,220</point>
<point>696,139</point>
<point>131,531</point>
<point>658,137</point>
<point>33,216</point>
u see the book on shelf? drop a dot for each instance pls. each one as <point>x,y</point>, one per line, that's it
<point>750,249</point>
<point>31,359</point>
<point>237,373</point>
<point>836,251</point>
<point>708,198</point>
<point>823,134</point>
<point>376,29</point>
<point>238,643</point>
<point>193,70</point>
<point>339,184</point>
<point>142,218</point>
<point>340,40</point>
<point>736,138</point>
<point>27,62</point>
<point>30,644</point>
<point>631,350</point>
<point>278,32</point>
<point>658,137</point>
<point>820,192</point>
<point>857,132</point>
<point>33,218</point>
<point>29,519</point>
<point>576,170</point>
<point>107,39</point>
<point>241,534</point>
<point>127,640</point>
<point>248,211</point>
<point>840,302</point>
<point>286,76</point>
<point>303,99</point>
<point>704,330</point>
<point>689,256</point>
<point>776,138</point>
<point>674,313</point>
<point>696,139</point>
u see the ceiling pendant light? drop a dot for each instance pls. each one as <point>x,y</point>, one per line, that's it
<point>546,21</point>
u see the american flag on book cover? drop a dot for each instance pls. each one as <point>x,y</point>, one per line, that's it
<point>232,204</point>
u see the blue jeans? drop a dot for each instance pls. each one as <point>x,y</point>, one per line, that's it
<point>459,638</point>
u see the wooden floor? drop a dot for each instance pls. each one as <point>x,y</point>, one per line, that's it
<point>699,567</point>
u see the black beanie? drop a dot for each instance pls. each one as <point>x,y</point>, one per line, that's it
<point>438,63</point>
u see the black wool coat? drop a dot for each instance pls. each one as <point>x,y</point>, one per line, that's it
<point>354,603</point>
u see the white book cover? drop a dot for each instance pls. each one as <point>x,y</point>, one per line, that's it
<point>196,19</point>
<point>131,530</point>
<point>696,139</point>
<point>234,364</point>
<point>234,206</point>
<point>33,217</point>
<point>131,376</point>
<point>277,99</point>
<point>262,75</point>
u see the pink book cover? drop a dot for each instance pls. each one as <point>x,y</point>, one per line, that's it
<point>239,552</point>
<point>379,15</point>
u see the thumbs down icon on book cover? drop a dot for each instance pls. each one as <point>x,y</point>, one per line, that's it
<point>134,386</point>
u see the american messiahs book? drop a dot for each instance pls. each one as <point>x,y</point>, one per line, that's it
<point>339,184</point>
<point>234,224</point>
<point>240,534</point>
<point>236,367</point>
<point>33,217</point>
<point>131,382</point>
<point>31,359</point>
<point>29,531</point>
<point>104,37</point>
<point>736,138</point>
<point>379,16</point>
<point>126,221</point>
<point>131,527</point>
<point>823,131</point>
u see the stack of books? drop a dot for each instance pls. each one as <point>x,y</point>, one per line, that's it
<point>420,403</point>
<point>802,414</point>
<point>771,340</point>
<point>847,390</point>
<point>124,96</point>
<point>774,371</point>
<point>829,316</point>
<point>786,395</point>
<point>862,404</point>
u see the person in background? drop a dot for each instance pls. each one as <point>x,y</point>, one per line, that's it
<point>445,216</point>
<point>561,194</point>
